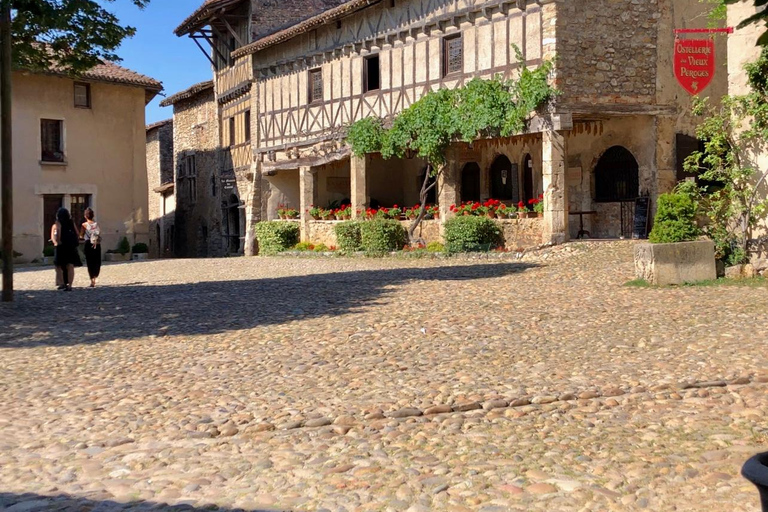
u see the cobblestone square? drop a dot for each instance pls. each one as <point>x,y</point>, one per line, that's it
<point>390,384</point>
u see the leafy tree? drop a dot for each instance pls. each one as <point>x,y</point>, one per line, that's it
<point>69,36</point>
<point>733,199</point>
<point>480,109</point>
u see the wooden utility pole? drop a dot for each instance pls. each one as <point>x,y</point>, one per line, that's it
<point>6,148</point>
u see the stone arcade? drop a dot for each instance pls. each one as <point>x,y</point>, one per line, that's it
<point>619,129</point>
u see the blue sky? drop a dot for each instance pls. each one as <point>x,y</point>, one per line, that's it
<point>155,50</point>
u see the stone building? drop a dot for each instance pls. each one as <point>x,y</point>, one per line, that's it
<point>207,214</point>
<point>80,143</point>
<point>610,136</point>
<point>162,200</point>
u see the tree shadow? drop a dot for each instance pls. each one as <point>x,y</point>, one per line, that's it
<point>30,502</point>
<point>44,318</point>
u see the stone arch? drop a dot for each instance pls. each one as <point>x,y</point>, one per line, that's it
<point>617,176</point>
<point>504,179</point>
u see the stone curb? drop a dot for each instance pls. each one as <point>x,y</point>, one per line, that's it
<point>343,424</point>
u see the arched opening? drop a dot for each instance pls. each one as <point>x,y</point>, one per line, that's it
<point>528,189</point>
<point>470,182</point>
<point>617,176</point>
<point>232,223</point>
<point>504,180</point>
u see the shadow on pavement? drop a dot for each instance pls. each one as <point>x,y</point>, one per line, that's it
<point>30,502</point>
<point>54,318</point>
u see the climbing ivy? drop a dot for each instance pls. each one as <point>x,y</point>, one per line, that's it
<point>480,109</point>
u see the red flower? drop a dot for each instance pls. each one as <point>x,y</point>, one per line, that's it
<point>521,205</point>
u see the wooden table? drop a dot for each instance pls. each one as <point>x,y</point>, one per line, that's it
<point>581,215</point>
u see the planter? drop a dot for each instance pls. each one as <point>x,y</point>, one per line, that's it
<point>47,260</point>
<point>315,217</point>
<point>116,256</point>
<point>534,215</point>
<point>678,263</point>
<point>756,471</point>
<point>141,256</point>
<point>522,215</point>
<point>491,215</point>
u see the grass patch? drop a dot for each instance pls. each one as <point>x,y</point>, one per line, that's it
<point>754,282</point>
<point>638,283</point>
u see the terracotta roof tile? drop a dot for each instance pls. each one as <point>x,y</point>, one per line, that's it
<point>200,16</point>
<point>159,124</point>
<point>111,72</point>
<point>187,93</point>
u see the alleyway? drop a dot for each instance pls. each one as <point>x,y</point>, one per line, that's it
<point>308,384</point>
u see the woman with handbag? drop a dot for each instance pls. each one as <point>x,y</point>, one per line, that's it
<point>67,240</point>
<point>91,233</point>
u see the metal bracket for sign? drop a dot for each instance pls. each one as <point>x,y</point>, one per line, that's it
<point>727,30</point>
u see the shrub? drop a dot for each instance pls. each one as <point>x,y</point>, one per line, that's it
<point>348,235</point>
<point>49,251</point>
<point>140,248</point>
<point>675,220</point>
<point>321,248</point>
<point>123,247</point>
<point>276,236</point>
<point>435,247</point>
<point>382,235</point>
<point>469,233</point>
<point>304,246</point>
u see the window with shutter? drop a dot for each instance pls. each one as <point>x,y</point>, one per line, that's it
<point>315,85</point>
<point>52,140</point>
<point>453,55</point>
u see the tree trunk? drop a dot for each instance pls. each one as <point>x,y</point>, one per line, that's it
<point>425,188</point>
<point>6,147</point>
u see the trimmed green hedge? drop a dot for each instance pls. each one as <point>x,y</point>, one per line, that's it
<point>276,236</point>
<point>382,235</point>
<point>471,234</point>
<point>348,236</point>
<point>140,248</point>
<point>675,220</point>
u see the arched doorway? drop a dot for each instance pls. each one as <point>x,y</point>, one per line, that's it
<point>504,180</point>
<point>528,189</point>
<point>470,182</point>
<point>617,176</point>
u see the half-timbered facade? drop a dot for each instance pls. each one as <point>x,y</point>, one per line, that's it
<point>612,134</point>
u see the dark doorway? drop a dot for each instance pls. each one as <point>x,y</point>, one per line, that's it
<point>470,182</point>
<point>233,224</point>
<point>158,240</point>
<point>528,192</point>
<point>617,176</point>
<point>51,204</point>
<point>504,180</point>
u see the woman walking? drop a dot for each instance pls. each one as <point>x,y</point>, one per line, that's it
<point>67,240</point>
<point>91,233</point>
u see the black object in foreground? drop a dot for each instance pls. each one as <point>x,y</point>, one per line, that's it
<point>756,471</point>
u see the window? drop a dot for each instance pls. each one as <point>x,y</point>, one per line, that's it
<point>191,174</point>
<point>371,74</point>
<point>231,131</point>
<point>77,205</point>
<point>453,55</point>
<point>315,81</point>
<point>82,95</point>
<point>52,139</point>
<point>247,125</point>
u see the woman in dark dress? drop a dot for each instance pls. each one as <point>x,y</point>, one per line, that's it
<point>91,233</point>
<point>67,257</point>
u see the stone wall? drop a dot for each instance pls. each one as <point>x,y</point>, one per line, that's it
<point>518,233</point>
<point>159,172</point>
<point>199,217</point>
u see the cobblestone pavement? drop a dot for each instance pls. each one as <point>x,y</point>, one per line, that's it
<point>382,384</point>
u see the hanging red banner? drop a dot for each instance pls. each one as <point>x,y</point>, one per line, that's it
<point>694,63</point>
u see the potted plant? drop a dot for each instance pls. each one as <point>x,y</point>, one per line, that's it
<point>537,204</point>
<point>490,207</point>
<point>675,254</point>
<point>314,212</point>
<point>121,252</point>
<point>345,212</point>
<point>522,210</point>
<point>140,251</point>
<point>433,211</point>
<point>413,212</point>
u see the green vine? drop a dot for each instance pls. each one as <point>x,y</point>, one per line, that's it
<point>729,185</point>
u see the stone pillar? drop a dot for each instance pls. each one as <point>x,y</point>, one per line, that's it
<point>252,211</point>
<point>554,161</point>
<point>358,180</point>
<point>666,159</point>
<point>307,198</point>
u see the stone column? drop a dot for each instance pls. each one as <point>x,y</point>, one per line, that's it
<point>252,211</point>
<point>358,180</point>
<point>554,161</point>
<point>307,198</point>
<point>666,159</point>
